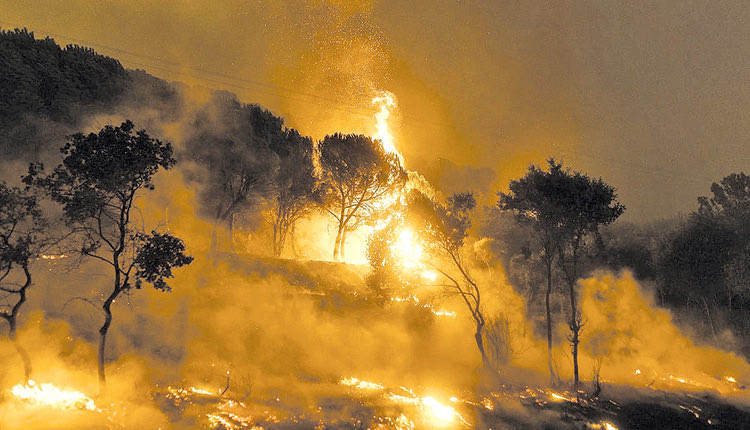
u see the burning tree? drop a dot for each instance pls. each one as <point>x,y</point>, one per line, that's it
<point>358,174</point>
<point>562,208</point>
<point>21,224</point>
<point>97,183</point>
<point>445,228</point>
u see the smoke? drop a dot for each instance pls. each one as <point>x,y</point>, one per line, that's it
<point>640,345</point>
<point>272,328</point>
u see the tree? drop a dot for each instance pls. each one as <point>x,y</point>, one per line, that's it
<point>357,175</point>
<point>534,200</point>
<point>446,227</point>
<point>292,189</point>
<point>21,224</point>
<point>97,184</point>
<point>729,208</point>
<point>233,142</point>
<point>730,201</point>
<point>561,208</point>
<point>586,204</point>
<point>705,259</point>
<point>390,275</point>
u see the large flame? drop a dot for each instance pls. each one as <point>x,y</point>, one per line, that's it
<point>386,101</point>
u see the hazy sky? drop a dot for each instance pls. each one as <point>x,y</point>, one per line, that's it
<point>654,97</point>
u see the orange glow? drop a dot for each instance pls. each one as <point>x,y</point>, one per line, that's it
<point>386,101</point>
<point>406,249</point>
<point>50,396</point>
<point>360,384</point>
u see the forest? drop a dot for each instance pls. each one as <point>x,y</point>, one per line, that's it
<point>173,257</point>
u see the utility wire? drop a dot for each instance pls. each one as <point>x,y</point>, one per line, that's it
<point>336,104</point>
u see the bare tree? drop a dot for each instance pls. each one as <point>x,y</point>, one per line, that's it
<point>446,227</point>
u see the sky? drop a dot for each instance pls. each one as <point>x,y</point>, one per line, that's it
<point>652,97</point>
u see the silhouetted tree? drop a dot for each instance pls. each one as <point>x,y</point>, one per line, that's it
<point>292,190</point>
<point>534,200</point>
<point>357,174</point>
<point>21,226</point>
<point>705,259</point>
<point>446,227</point>
<point>562,208</point>
<point>97,183</point>
<point>587,204</point>
<point>41,80</point>
<point>730,202</point>
<point>233,142</point>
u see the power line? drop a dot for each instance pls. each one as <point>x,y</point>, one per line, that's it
<point>336,104</point>
<point>328,102</point>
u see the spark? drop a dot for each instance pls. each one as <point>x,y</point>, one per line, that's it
<point>487,403</point>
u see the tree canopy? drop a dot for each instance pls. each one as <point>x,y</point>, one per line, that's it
<point>357,174</point>
<point>561,208</point>
<point>96,184</point>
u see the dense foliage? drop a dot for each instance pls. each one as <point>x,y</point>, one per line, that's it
<point>42,80</point>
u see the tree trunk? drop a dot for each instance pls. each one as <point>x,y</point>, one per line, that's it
<point>12,319</point>
<point>574,340</point>
<point>480,345</point>
<point>337,245</point>
<point>102,344</point>
<point>107,308</point>
<point>214,238</point>
<point>276,245</point>
<point>574,324</point>
<point>230,225</point>
<point>549,322</point>
<point>21,350</point>
<point>342,256</point>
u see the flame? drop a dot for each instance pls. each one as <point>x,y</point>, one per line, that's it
<point>406,249</point>
<point>443,414</point>
<point>433,413</point>
<point>386,101</point>
<point>48,395</point>
<point>52,256</point>
<point>415,300</point>
<point>605,425</point>
<point>561,397</point>
<point>360,384</point>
